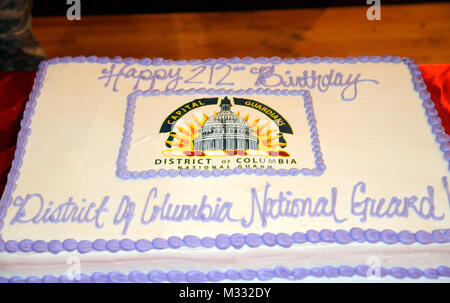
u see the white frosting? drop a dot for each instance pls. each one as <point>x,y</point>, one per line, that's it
<point>381,138</point>
<point>185,259</point>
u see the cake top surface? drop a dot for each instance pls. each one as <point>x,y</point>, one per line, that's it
<point>204,152</point>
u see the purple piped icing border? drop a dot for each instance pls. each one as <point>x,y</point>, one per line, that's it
<point>236,241</point>
<point>431,113</point>
<point>22,141</point>
<point>264,274</point>
<point>124,173</point>
<point>233,60</point>
<point>224,241</point>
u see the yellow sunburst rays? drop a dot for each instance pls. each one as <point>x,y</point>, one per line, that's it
<point>268,135</point>
<point>244,117</point>
<point>267,141</point>
<point>271,140</point>
<point>186,135</point>
<point>187,132</point>
<point>199,122</point>
<point>181,140</point>
<point>254,123</point>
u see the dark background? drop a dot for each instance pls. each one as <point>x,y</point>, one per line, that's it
<point>107,7</point>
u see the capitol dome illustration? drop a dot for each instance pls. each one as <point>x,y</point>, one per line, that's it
<point>225,131</point>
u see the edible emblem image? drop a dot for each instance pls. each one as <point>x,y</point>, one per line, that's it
<point>226,132</point>
<point>218,133</point>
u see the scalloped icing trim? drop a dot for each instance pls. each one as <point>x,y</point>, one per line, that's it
<point>224,241</point>
<point>263,274</point>
<point>339,236</point>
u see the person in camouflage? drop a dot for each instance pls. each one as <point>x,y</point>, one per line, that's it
<point>19,49</point>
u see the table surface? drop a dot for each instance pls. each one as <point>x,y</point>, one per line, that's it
<point>419,31</point>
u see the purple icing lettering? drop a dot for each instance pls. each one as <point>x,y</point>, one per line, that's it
<point>338,79</point>
<point>227,73</point>
<point>200,69</point>
<point>267,77</point>
<point>172,75</point>
<point>21,204</point>
<point>429,200</point>
<point>131,73</point>
<point>145,75</point>
<point>289,208</point>
<point>325,81</point>
<point>125,213</point>
<point>354,83</point>
<point>178,213</point>
<point>256,206</point>
<point>100,210</point>
<point>65,212</point>
<point>203,207</point>
<point>447,192</point>
<point>175,78</point>
<point>154,192</point>
<point>108,74</point>
<point>396,207</point>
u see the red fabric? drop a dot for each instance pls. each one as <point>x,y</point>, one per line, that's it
<point>14,90</point>
<point>16,86</point>
<point>437,79</point>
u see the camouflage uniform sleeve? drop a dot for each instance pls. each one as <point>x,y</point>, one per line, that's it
<point>19,49</point>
